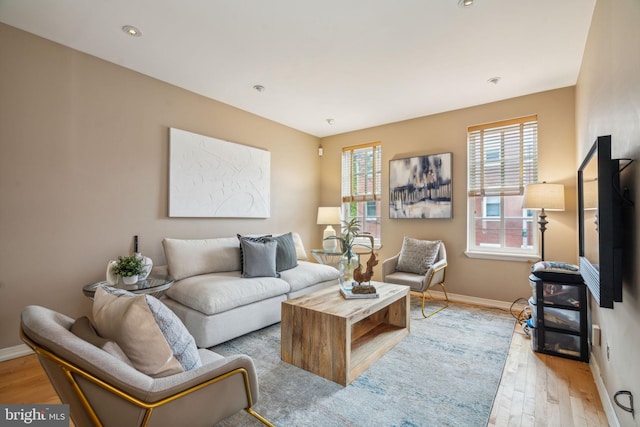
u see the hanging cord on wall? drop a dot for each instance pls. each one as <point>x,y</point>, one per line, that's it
<point>625,408</point>
<point>523,315</point>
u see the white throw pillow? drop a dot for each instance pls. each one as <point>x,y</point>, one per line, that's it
<point>151,335</point>
<point>297,241</point>
<point>187,258</point>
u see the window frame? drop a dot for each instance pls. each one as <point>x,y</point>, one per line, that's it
<point>372,191</point>
<point>494,171</point>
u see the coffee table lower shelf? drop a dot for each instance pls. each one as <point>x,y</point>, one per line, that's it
<point>372,346</point>
<point>339,339</point>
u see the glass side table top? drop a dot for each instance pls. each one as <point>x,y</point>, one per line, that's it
<point>152,284</point>
<point>326,257</point>
<point>325,252</point>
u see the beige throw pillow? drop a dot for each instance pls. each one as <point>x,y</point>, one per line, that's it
<point>416,256</point>
<point>151,335</point>
<point>82,328</point>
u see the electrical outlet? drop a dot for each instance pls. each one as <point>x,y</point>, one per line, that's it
<point>595,335</point>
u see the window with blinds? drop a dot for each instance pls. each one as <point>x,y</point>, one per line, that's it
<point>502,160</point>
<point>503,157</point>
<point>362,185</point>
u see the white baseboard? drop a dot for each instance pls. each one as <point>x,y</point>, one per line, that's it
<point>483,302</point>
<point>607,404</point>
<point>14,352</point>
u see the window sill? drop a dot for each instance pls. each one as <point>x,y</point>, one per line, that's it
<point>503,256</point>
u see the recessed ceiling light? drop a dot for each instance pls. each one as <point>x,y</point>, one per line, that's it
<point>465,3</point>
<point>331,121</point>
<point>494,80</point>
<point>132,31</point>
<point>259,88</point>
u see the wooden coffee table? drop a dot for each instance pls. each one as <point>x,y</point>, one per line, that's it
<point>339,338</point>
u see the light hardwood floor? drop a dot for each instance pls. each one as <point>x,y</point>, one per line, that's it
<point>541,390</point>
<point>535,390</point>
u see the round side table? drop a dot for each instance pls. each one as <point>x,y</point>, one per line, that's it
<point>327,257</point>
<point>155,284</point>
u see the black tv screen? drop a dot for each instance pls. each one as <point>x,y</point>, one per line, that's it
<point>600,223</point>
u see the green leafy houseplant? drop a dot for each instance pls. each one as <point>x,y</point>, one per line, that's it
<point>128,266</point>
<point>350,231</point>
<point>349,260</point>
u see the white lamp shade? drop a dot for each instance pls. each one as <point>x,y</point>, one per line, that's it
<point>544,196</point>
<point>328,215</point>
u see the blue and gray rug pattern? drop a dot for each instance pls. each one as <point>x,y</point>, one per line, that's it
<point>444,373</point>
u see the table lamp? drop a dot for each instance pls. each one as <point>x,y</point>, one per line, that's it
<point>328,216</point>
<point>540,197</point>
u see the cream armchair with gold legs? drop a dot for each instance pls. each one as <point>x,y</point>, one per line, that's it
<point>421,265</point>
<point>103,390</point>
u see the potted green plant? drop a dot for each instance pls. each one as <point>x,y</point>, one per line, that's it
<point>349,260</point>
<point>129,268</point>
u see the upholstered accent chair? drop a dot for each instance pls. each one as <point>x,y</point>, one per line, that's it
<point>421,265</point>
<point>102,389</point>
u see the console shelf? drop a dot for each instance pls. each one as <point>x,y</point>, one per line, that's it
<point>559,312</point>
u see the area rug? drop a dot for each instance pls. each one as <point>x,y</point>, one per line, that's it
<point>444,373</point>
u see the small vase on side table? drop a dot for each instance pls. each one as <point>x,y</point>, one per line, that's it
<point>348,263</point>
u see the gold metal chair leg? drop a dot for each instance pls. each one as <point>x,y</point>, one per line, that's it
<point>445,301</point>
<point>262,419</point>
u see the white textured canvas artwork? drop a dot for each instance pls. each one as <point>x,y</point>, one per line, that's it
<point>209,177</point>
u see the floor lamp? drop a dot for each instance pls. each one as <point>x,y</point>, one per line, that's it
<point>540,197</point>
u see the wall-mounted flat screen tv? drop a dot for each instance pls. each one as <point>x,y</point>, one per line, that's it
<point>600,223</point>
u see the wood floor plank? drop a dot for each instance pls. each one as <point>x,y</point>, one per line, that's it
<point>577,411</point>
<point>564,400</point>
<point>24,381</point>
<point>531,381</point>
<point>540,410</point>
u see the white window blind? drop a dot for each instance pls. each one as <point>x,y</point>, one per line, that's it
<point>503,157</point>
<point>361,187</point>
<point>361,173</point>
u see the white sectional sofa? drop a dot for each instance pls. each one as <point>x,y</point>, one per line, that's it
<point>217,301</point>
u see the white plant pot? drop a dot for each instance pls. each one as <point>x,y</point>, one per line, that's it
<point>130,280</point>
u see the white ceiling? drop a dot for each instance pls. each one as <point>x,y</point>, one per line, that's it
<point>361,62</point>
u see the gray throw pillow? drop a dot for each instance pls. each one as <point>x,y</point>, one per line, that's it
<point>417,256</point>
<point>253,239</point>
<point>259,258</point>
<point>286,257</point>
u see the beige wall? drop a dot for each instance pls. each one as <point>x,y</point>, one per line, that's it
<point>497,280</point>
<point>84,167</point>
<point>608,103</point>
